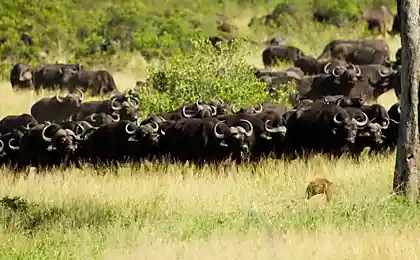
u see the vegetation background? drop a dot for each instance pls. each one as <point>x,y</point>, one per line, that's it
<point>171,211</point>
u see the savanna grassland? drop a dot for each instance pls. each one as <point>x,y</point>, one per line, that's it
<point>171,211</point>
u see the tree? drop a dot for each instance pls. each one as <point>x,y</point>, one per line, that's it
<point>406,176</point>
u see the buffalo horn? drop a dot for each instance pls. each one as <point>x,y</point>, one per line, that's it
<point>115,117</point>
<point>1,146</point>
<point>384,75</point>
<point>251,128</point>
<point>81,94</point>
<point>259,110</point>
<point>13,147</point>
<point>155,128</point>
<point>57,96</point>
<point>358,71</point>
<point>275,129</point>
<point>213,110</point>
<point>46,139</point>
<point>93,117</point>
<point>399,109</point>
<point>334,72</point>
<point>79,128</point>
<point>326,68</point>
<point>184,114</point>
<point>336,121</point>
<point>220,136</point>
<point>114,107</point>
<point>128,131</point>
<point>364,122</point>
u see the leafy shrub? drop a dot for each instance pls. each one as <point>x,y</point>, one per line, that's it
<point>206,73</point>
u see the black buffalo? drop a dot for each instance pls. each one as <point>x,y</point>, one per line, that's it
<point>95,82</point>
<point>46,145</point>
<point>56,109</point>
<point>55,76</point>
<point>311,66</point>
<point>100,119</point>
<point>120,104</point>
<point>358,52</point>
<point>320,128</point>
<point>273,54</point>
<point>15,122</point>
<point>21,76</point>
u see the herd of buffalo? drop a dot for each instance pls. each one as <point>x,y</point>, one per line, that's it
<point>329,114</point>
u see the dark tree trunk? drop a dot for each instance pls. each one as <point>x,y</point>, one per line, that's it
<point>406,173</point>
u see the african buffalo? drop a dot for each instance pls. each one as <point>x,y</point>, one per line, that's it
<point>96,82</point>
<point>53,76</point>
<point>14,122</point>
<point>21,76</point>
<point>325,128</point>
<point>376,18</point>
<point>119,104</point>
<point>56,109</point>
<point>46,145</point>
<point>311,66</point>
<point>273,54</point>
<point>357,52</point>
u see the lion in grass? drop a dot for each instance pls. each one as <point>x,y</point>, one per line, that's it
<point>320,186</point>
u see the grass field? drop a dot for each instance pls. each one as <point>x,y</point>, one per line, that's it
<point>161,211</point>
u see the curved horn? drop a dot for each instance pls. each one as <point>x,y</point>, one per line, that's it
<point>364,122</point>
<point>161,118</point>
<point>1,146</point>
<point>352,66</point>
<point>46,139</point>
<point>156,128</point>
<point>184,114</point>
<point>326,68</point>
<point>57,96</point>
<point>221,101</point>
<point>79,66</point>
<point>114,107</point>
<point>93,117</point>
<point>384,75</point>
<point>399,109</point>
<point>335,119</point>
<point>11,146</point>
<point>213,110</point>
<point>251,130</point>
<point>81,94</point>
<point>220,136</point>
<point>273,130</point>
<point>82,129</point>
<point>334,72</point>
<point>199,107</point>
<point>234,109</point>
<point>358,71</point>
<point>115,117</point>
<point>259,110</point>
<point>128,131</point>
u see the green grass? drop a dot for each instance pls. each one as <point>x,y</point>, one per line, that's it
<point>160,211</point>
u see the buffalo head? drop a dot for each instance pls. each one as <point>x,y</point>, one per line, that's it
<point>71,99</point>
<point>59,139</point>
<point>199,110</point>
<point>347,75</point>
<point>236,138</point>
<point>125,109</point>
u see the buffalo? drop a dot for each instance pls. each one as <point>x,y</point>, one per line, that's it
<point>53,76</point>
<point>96,82</point>
<point>358,52</point>
<point>21,76</point>
<point>273,54</point>
<point>56,109</point>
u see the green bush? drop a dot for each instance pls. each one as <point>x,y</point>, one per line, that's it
<point>206,73</point>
